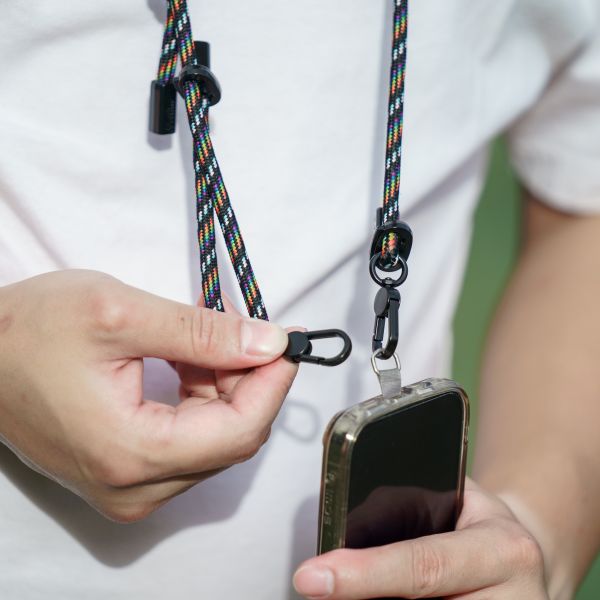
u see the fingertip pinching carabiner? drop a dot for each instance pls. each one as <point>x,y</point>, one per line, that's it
<point>300,347</point>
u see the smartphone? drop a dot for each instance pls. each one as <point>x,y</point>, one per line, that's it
<point>394,468</point>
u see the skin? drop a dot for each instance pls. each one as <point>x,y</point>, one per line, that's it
<point>533,527</point>
<point>71,403</point>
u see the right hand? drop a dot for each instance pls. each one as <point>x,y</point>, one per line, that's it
<point>71,403</point>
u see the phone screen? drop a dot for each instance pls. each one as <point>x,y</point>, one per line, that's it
<point>405,473</point>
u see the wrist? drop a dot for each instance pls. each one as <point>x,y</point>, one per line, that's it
<point>559,574</point>
<point>8,320</point>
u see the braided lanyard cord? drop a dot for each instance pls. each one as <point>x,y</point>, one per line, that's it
<point>211,193</point>
<point>393,159</point>
<point>393,239</point>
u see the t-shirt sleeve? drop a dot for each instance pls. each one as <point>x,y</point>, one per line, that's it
<point>555,147</point>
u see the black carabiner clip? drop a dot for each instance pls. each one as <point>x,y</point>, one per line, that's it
<point>387,307</point>
<point>300,347</point>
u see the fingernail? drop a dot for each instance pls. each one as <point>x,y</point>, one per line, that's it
<point>314,582</point>
<point>259,338</point>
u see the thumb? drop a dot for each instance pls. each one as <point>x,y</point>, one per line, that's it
<point>151,326</point>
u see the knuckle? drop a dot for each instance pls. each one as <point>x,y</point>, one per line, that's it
<point>106,308</point>
<point>519,550</point>
<point>428,569</point>
<point>203,331</point>
<point>526,553</point>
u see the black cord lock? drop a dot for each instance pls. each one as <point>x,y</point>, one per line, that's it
<point>300,347</point>
<point>200,73</point>
<point>393,264</point>
<point>163,107</point>
<point>163,96</point>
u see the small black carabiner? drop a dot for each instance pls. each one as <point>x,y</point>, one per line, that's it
<point>387,306</point>
<point>300,347</point>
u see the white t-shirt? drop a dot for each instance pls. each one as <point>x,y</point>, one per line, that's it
<point>300,137</point>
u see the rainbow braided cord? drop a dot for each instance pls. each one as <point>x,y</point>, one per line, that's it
<point>209,268</point>
<point>393,159</point>
<point>211,193</point>
<point>210,184</point>
<point>168,55</point>
<point>227,219</point>
<point>178,35</point>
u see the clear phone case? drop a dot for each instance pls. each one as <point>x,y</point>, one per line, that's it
<point>339,441</point>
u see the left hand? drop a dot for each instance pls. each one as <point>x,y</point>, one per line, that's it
<point>491,556</point>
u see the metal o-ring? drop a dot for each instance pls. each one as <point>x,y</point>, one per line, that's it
<point>388,281</point>
<point>376,355</point>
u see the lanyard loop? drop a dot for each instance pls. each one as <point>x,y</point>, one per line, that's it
<point>200,90</point>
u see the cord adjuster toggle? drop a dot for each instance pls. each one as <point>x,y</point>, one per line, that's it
<point>300,347</point>
<point>163,94</point>
<point>404,241</point>
<point>200,73</point>
<point>163,108</point>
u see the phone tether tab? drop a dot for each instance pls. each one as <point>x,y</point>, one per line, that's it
<point>390,380</point>
<point>300,347</point>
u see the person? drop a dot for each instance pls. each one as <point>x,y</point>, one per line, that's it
<point>99,275</point>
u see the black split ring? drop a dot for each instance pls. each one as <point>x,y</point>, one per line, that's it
<point>388,282</point>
